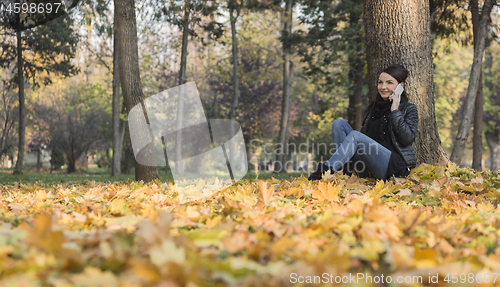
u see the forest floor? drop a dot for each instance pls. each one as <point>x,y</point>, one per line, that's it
<point>439,226</point>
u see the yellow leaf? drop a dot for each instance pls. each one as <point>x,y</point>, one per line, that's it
<point>265,194</point>
<point>93,276</point>
<point>327,191</point>
<point>192,212</point>
<point>168,252</point>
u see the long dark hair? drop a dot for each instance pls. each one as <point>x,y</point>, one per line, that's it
<point>399,73</point>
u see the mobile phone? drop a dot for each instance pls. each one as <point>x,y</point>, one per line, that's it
<point>399,90</point>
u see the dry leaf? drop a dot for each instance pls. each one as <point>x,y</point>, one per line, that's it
<point>265,194</point>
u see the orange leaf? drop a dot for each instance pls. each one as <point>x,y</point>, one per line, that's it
<point>265,194</point>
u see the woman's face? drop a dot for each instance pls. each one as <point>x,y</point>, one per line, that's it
<point>386,85</point>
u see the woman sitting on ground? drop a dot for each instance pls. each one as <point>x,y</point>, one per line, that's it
<point>383,148</point>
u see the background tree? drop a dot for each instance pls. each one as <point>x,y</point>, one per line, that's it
<point>479,46</point>
<point>492,105</point>
<point>130,80</point>
<point>322,45</point>
<point>41,29</point>
<point>8,112</point>
<point>282,152</point>
<point>75,118</point>
<point>396,34</point>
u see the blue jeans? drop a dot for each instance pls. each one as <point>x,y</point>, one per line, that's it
<point>366,154</point>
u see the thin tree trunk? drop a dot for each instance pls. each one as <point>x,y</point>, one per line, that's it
<point>492,135</point>
<point>236,86</point>
<point>115,106</point>
<point>493,141</point>
<point>287,87</point>
<point>355,109</point>
<point>396,34</point>
<point>179,169</point>
<point>357,65</point>
<point>130,76</point>
<point>477,137</point>
<point>470,98</point>
<point>22,107</point>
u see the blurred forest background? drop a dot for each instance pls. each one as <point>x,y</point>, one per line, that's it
<point>68,78</point>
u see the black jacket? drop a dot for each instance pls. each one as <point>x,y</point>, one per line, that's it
<point>403,129</point>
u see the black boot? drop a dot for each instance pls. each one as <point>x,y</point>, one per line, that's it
<point>318,174</point>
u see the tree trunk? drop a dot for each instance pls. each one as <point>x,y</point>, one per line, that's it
<point>38,159</point>
<point>179,169</point>
<point>281,156</point>
<point>492,134</point>
<point>71,166</point>
<point>356,67</point>
<point>477,136</point>
<point>395,33</point>
<point>355,109</point>
<point>22,107</point>
<point>130,79</point>
<point>475,74</point>
<point>493,141</point>
<point>115,106</point>
<point>236,86</point>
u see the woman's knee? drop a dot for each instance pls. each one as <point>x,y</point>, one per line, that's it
<point>339,124</point>
<point>356,135</point>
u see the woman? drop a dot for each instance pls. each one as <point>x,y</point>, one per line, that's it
<point>383,148</point>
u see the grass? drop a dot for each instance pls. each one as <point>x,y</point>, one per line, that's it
<point>43,177</point>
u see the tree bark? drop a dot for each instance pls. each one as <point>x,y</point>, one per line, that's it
<point>22,106</point>
<point>395,33</point>
<point>182,80</point>
<point>115,106</point>
<point>492,133</point>
<point>477,139</point>
<point>128,59</point>
<point>477,136</point>
<point>475,74</point>
<point>355,109</point>
<point>493,141</point>
<point>356,66</point>
<point>287,87</point>
<point>236,85</point>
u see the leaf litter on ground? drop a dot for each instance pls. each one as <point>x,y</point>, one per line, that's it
<point>255,233</point>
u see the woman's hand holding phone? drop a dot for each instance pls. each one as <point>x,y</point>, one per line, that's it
<point>396,97</point>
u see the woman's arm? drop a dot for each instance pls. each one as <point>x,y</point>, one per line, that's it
<point>405,127</point>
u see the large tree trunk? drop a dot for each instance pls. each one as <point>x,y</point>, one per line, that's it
<point>115,106</point>
<point>282,151</point>
<point>22,107</point>
<point>396,33</point>
<point>236,85</point>
<point>130,79</point>
<point>475,74</point>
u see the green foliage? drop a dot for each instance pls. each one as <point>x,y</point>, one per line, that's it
<point>452,64</point>
<point>50,49</point>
